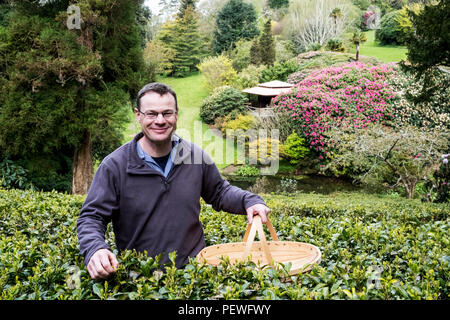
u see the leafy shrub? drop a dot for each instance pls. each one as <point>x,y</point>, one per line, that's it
<point>284,50</point>
<point>13,175</point>
<point>336,45</point>
<point>390,31</point>
<point>433,113</point>
<point>242,122</point>
<point>279,71</point>
<point>249,77</point>
<point>278,121</point>
<point>218,71</point>
<point>405,239</point>
<point>294,148</point>
<point>287,186</point>
<point>261,185</point>
<point>158,57</point>
<point>438,186</point>
<point>240,55</point>
<point>247,171</point>
<point>405,156</point>
<point>222,102</point>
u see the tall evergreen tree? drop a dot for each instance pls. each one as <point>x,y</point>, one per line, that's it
<point>65,93</point>
<point>182,37</point>
<point>429,48</point>
<point>184,5</point>
<point>267,45</point>
<point>255,54</point>
<point>277,4</point>
<point>236,20</point>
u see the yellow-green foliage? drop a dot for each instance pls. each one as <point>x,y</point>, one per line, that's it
<point>218,71</point>
<point>294,148</point>
<point>264,150</point>
<point>242,122</point>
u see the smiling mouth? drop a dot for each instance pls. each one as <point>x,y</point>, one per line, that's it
<point>159,130</point>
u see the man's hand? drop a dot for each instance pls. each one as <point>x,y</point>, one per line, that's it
<point>257,209</point>
<point>102,264</point>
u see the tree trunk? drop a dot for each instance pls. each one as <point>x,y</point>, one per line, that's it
<point>83,169</point>
<point>410,187</point>
<point>357,52</point>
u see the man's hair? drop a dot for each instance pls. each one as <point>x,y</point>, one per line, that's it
<point>157,87</point>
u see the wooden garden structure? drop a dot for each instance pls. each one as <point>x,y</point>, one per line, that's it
<point>266,91</point>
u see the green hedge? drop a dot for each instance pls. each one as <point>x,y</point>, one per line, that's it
<point>357,234</point>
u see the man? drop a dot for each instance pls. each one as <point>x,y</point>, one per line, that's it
<point>150,189</point>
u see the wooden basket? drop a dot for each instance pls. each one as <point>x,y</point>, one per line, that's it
<point>301,255</point>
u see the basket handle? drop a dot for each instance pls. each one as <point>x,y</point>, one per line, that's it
<point>249,237</point>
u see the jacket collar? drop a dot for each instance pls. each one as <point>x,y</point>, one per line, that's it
<point>136,165</point>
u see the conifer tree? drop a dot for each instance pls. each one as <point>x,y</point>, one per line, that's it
<point>236,20</point>
<point>184,5</point>
<point>65,92</point>
<point>255,56</point>
<point>182,37</point>
<point>267,45</point>
<point>429,49</point>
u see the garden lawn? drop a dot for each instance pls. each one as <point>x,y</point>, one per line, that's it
<point>190,93</point>
<point>388,53</point>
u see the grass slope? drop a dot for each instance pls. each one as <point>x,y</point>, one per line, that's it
<point>388,53</point>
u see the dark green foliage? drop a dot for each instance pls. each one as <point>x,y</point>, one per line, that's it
<point>438,188</point>
<point>13,176</point>
<point>279,71</point>
<point>335,45</point>
<point>57,84</point>
<point>404,240</point>
<point>183,6</point>
<point>222,102</point>
<point>390,32</point>
<point>267,45</point>
<point>182,37</point>
<point>429,48</point>
<point>255,55</point>
<point>143,17</point>
<point>236,20</point>
<point>277,4</point>
<point>5,9</point>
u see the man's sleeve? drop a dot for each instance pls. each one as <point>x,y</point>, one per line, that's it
<point>96,213</point>
<point>222,195</point>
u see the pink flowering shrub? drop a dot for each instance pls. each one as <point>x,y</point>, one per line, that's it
<point>365,18</point>
<point>350,95</point>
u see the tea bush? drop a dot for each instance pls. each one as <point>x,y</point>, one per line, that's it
<point>372,248</point>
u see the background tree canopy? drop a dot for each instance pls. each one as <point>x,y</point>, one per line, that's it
<point>65,92</point>
<point>236,20</point>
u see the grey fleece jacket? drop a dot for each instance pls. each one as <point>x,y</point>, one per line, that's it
<point>150,212</point>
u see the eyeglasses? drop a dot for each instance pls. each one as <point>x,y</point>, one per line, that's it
<point>153,115</point>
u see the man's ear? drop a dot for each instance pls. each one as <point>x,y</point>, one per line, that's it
<point>137,114</point>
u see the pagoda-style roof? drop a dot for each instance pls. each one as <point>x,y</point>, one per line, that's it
<point>270,89</point>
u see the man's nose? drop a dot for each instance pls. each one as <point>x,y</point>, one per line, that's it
<point>160,118</point>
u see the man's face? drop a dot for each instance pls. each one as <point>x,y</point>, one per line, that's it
<point>160,129</point>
